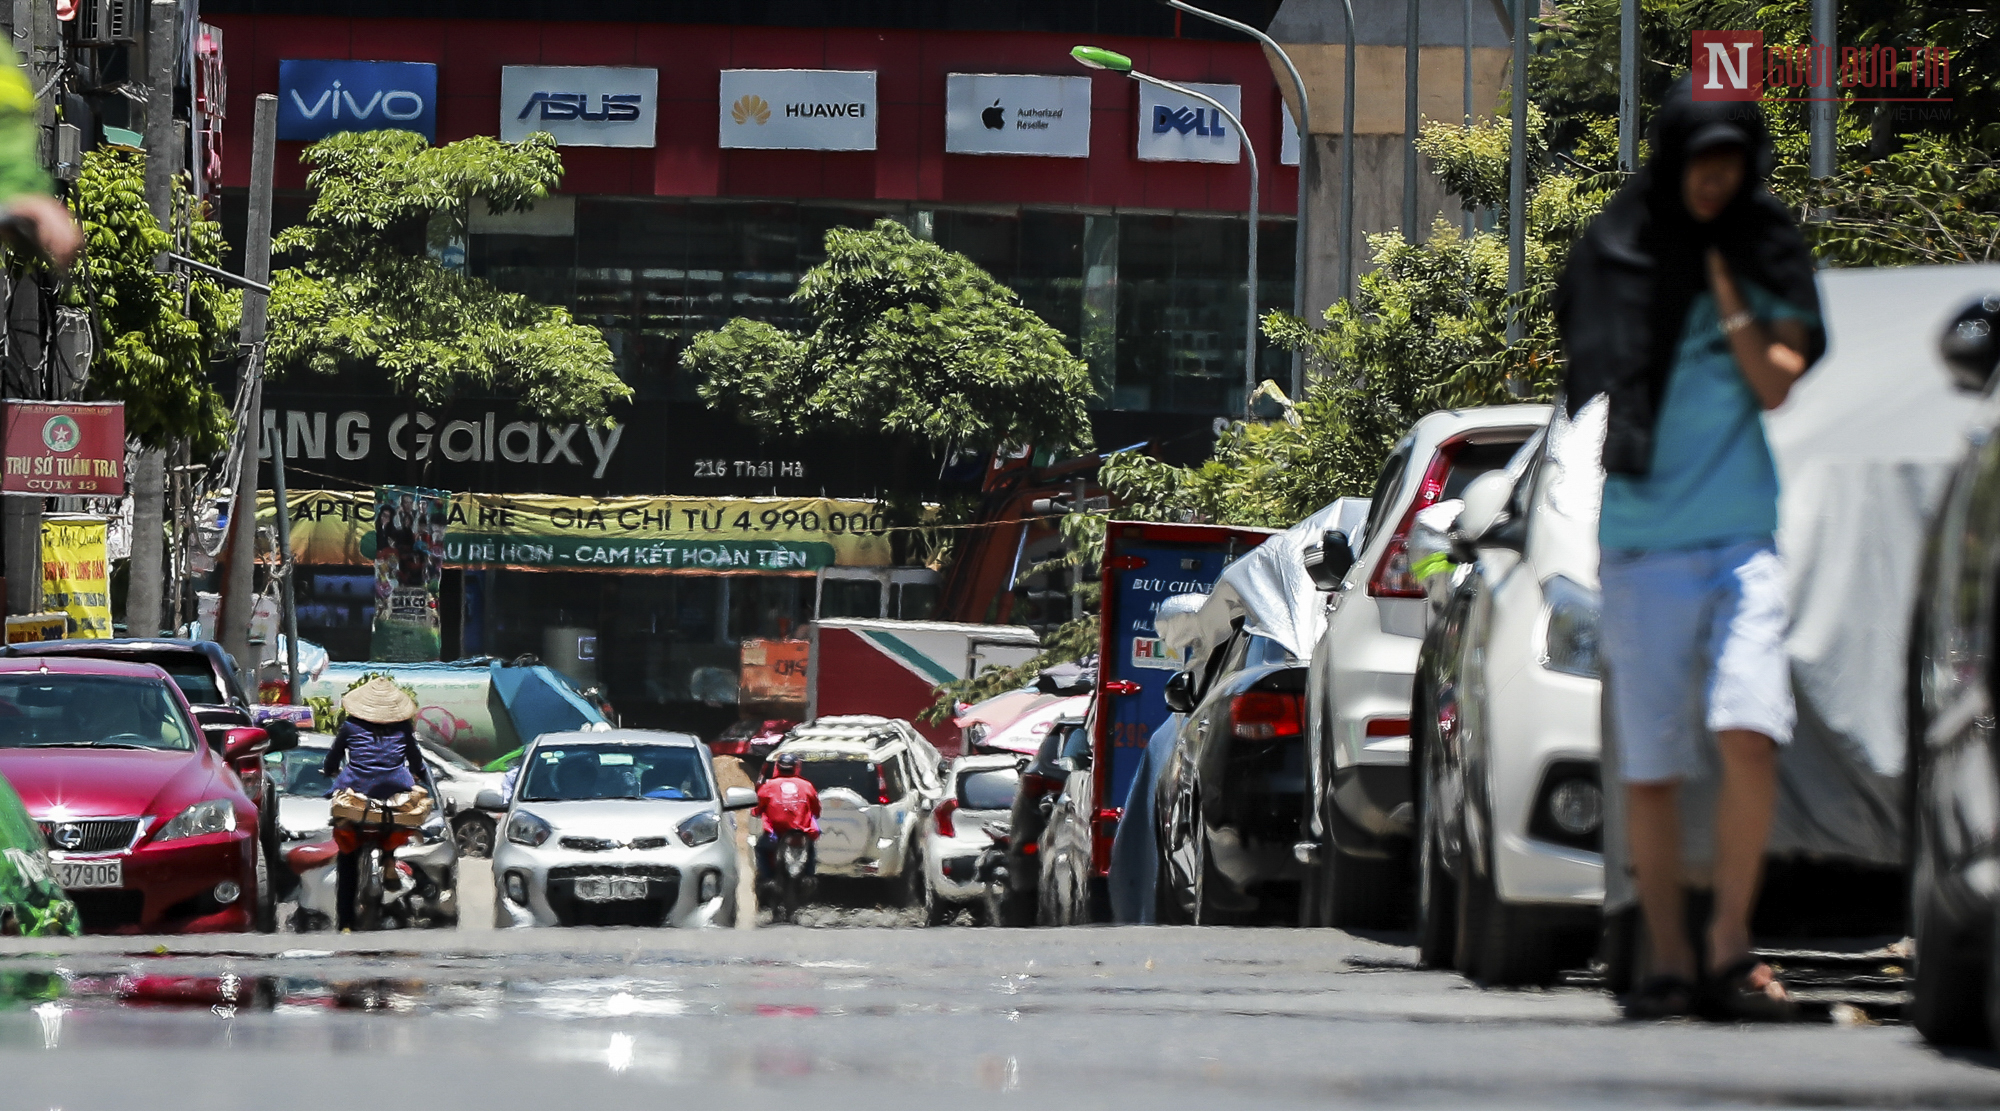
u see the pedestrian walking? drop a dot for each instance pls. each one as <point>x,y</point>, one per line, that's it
<point>1690,304</point>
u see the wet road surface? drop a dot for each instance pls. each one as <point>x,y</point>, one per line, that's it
<point>879,1018</point>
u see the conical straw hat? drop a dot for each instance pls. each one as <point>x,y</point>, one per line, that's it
<point>379,701</point>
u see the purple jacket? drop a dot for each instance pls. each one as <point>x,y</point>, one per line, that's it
<point>381,760</point>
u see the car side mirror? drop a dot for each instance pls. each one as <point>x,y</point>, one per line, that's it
<point>1076,752</point>
<point>1485,506</point>
<point>490,799</point>
<point>245,743</point>
<point>1180,692</point>
<point>1970,346</point>
<point>284,734</point>
<point>738,798</point>
<point>1327,565</point>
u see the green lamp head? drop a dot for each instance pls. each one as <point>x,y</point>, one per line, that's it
<point>1096,57</point>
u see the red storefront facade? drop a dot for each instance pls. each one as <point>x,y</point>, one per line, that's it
<point>909,163</point>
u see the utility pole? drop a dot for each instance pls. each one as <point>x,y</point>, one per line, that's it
<point>1517,180</point>
<point>146,573</point>
<point>1823,109</point>
<point>1347,156</point>
<point>1628,85</point>
<point>1410,11</point>
<point>1470,218</point>
<point>35,43</point>
<point>239,583</point>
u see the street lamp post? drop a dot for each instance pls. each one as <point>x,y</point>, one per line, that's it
<point>1299,239</point>
<point>1099,58</point>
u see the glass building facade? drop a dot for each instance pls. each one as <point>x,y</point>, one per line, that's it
<point>1153,301</point>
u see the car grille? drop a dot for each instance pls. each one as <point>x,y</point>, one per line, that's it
<point>93,835</point>
<point>663,889</point>
<point>647,843</point>
<point>108,909</point>
<point>588,844</point>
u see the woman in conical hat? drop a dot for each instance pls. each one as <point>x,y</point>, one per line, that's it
<point>375,753</point>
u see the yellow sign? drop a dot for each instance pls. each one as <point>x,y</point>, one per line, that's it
<point>549,532</point>
<point>73,574</point>
<point>30,627</point>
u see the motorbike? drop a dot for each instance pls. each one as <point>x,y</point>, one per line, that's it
<point>992,871</point>
<point>790,886</point>
<point>392,890</point>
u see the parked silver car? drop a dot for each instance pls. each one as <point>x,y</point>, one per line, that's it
<point>977,790</point>
<point>620,828</point>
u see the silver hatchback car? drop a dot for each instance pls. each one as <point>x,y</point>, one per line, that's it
<point>620,828</point>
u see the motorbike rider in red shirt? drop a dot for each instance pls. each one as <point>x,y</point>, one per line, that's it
<point>786,802</point>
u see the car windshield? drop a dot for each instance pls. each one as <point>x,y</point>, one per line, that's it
<point>988,790</point>
<point>449,757</point>
<point>41,709</point>
<point>827,772</point>
<point>195,679</point>
<point>297,772</point>
<point>571,772</point>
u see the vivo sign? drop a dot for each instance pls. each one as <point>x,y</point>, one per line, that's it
<point>582,106</point>
<point>318,97</point>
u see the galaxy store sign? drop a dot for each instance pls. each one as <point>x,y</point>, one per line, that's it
<point>318,97</point>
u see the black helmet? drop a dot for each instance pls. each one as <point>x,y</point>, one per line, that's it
<point>788,762</point>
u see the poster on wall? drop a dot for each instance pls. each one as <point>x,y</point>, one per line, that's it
<point>65,448</point>
<point>773,670</point>
<point>1176,128</point>
<point>409,572</point>
<point>797,109</point>
<point>74,578</point>
<point>994,113</point>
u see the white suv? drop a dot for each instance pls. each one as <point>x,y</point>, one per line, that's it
<point>1358,790</point>
<point>877,778</point>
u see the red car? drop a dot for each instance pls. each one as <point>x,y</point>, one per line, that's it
<point>150,829</point>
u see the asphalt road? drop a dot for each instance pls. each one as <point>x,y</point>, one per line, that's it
<point>878,1018</point>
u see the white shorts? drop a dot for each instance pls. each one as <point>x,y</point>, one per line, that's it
<point>1693,642</point>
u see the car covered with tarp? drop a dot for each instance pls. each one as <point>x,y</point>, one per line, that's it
<point>32,904</point>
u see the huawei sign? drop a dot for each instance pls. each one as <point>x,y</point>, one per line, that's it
<point>750,108</point>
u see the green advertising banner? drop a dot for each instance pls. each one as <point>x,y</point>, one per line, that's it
<point>661,534</point>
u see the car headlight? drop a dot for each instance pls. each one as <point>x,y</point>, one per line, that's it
<point>1571,642</point>
<point>701,829</point>
<point>526,829</point>
<point>213,816</point>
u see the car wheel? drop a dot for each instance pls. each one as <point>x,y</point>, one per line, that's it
<point>907,890</point>
<point>1499,945</point>
<point>1949,995</point>
<point>1437,904</point>
<point>474,833</point>
<point>264,911</point>
<point>937,912</point>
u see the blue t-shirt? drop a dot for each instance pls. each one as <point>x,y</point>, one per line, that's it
<point>1712,479</point>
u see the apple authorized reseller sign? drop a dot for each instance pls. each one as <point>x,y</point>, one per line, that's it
<point>990,113</point>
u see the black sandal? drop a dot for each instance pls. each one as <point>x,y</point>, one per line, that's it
<point>1661,997</point>
<point>1731,996</point>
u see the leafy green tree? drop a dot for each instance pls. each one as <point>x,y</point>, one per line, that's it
<point>905,338</point>
<point>155,336</point>
<point>366,293</point>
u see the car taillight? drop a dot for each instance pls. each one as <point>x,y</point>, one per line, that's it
<point>882,787</point>
<point>943,817</point>
<point>1392,578</point>
<point>1029,848</point>
<point>1267,715</point>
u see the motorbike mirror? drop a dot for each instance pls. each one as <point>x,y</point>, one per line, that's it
<point>1327,564</point>
<point>243,743</point>
<point>490,799</point>
<point>1180,692</point>
<point>1970,345</point>
<point>284,734</point>
<point>738,798</point>
<point>1485,504</point>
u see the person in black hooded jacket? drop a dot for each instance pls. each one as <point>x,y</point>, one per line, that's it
<point>1690,305</point>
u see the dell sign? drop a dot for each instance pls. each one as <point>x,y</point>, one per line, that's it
<point>318,97</point>
<point>582,106</point>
